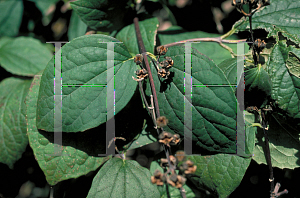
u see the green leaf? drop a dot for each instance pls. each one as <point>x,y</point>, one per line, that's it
<point>172,191</point>
<point>102,15</point>
<point>148,30</point>
<point>142,139</point>
<point>214,108</point>
<point>250,132</point>
<point>281,16</point>
<point>211,49</point>
<point>84,61</point>
<point>77,27</point>
<point>258,86</point>
<point>221,173</point>
<point>285,85</point>
<point>13,139</point>
<point>75,159</point>
<point>4,40</point>
<point>284,146</point>
<point>10,17</point>
<point>293,64</point>
<point>123,178</point>
<point>24,56</point>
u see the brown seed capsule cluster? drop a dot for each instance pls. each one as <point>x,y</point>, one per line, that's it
<point>188,167</point>
<point>165,65</point>
<point>259,45</point>
<point>141,73</point>
<point>168,138</point>
<point>175,180</point>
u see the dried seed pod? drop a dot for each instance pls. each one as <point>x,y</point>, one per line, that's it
<point>176,139</point>
<point>180,155</point>
<point>138,59</point>
<point>176,181</point>
<point>161,50</point>
<point>173,160</point>
<point>188,167</point>
<point>141,73</point>
<point>165,138</point>
<point>259,45</point>
<point>170,61</point>
<point>164,64</point>
<point>163,73</point>
<point>158,178</point>
<point>165,163</point>
<point>161,121</point>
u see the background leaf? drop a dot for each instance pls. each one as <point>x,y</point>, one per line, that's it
<point>75,159</point>
<point>284,146</point>
<point>77,27</point>
<point>281,16</point>
<point>221,173</point>
<point>84,61</point>
<point>102,15</point>
<point>148,28</point>
<point>123,178</point>
<point>285,86</point>
<point>10,17</point>
<point>24,56</point>
<point>13,139</point>
<point>213,126</point>
<point>211,49</point>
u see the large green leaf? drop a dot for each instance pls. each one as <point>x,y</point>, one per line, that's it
<point>211,49</point>
<point>214,108</point>
<point>77,27</point>
<point>24,56</point>
<point>258,86</point>
<point>13,139</point>
<point>103,15</point>
<point>11,12</point>
<point>285,85</point>
<point>84,61</point>
<point>123,178</point>
<point>221,173</point>
<point>148,30</point>
<point>284,146</point>
<point>172,191</point>
<point>76,158</point>
<point>281,16</point>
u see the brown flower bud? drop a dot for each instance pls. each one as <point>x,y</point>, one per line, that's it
<point>165,138</point>
<point>176,139</point>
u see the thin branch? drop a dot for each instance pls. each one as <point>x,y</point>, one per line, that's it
<point>268,154</point>
<point>156,107</point>
<point>143,52</point>
<point>215,39</point>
